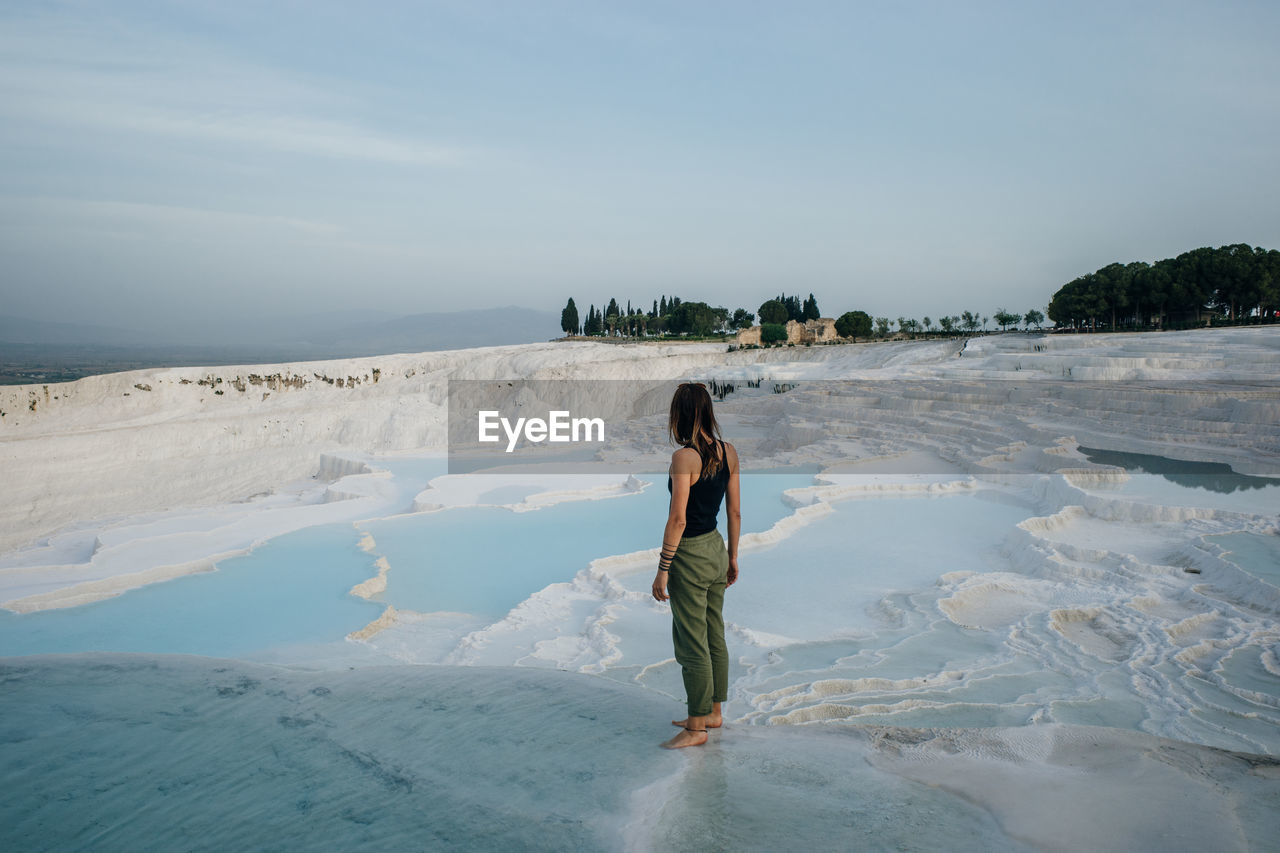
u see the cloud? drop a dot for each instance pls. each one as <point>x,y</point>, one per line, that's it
<point>272,131</point>
<point>55,77</point>
<point>146,219</point>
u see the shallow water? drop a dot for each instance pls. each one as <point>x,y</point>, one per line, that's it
<point>1214,476</point>
<point>1190,483</point>
<point>452,561</point>
<point>126,752</point>
<point>294,589</point>
<point>925,611</point>
<point>1256,553</point>
<point>291,590</point>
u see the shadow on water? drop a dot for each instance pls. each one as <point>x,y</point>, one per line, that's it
<point>1213,476</point>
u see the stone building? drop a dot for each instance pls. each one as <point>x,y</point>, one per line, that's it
<point>819,331</point>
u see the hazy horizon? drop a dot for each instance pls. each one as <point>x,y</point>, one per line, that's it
<point>251,331</point>
<point>187,167</point>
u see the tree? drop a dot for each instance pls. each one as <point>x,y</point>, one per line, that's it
<point>773,311</point>
<point>1135,291</point>
<point>969,321</point>
<point>722,318</point>
<point>882,327</point>
<point>1113,280</point>
<point>928,324</point>
<point>1157,282</point>
<point>1080,302</point>
<point>1230,280</point>
<point>810,310</point>
<point>854,324</point>
<point>742,319</point>
<point>1269,282</point>
<point>795,311</point>
<point>1033,318</point>
<point>946,323</point>
<point>1239,280</point>
<point>772,333</point>
<point>569,318</point>
<point>693,318</point>
<point>1005,319</point>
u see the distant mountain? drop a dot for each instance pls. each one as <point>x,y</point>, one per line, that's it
<point>23,330</point>
<point>313,335</point>
<point>275,330</point>
<point>444,330</point>
<point>40,351</point>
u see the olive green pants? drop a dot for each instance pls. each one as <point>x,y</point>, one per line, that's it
<point>696,584</point>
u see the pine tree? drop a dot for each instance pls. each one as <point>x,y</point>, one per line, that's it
<point>811,309</point>
<point>569,318</point>
<point>792,304</point>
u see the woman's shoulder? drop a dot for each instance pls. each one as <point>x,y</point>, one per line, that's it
<point>731,454</point>
<point>685,459</point>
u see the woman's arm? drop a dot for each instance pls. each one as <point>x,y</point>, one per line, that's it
<point>733,511</point>
<point>684,469</point>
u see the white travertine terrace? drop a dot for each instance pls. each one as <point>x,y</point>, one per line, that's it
<point>193,439</point>
<point>155,439</point>
<point>1088,647</point>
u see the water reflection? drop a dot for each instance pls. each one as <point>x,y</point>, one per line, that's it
<point>1212,476</point>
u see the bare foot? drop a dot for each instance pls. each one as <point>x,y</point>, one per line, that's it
<point>687,737</point>
<point>714,721</point>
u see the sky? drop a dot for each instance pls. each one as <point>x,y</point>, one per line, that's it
<point>187,165</point>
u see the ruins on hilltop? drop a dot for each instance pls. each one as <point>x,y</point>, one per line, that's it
<point>819,331</point>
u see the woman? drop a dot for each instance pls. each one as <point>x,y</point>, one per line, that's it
<point>695,567</point>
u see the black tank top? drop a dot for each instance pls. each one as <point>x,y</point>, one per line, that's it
<point>704,499</point>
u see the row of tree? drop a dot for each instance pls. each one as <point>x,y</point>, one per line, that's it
<point>783,309</point>
<point>1231,282</point>
<point>860,324</point>
<point>674,316</point>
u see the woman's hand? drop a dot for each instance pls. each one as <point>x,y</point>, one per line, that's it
<point>733,571</point>
<point>660,586</point>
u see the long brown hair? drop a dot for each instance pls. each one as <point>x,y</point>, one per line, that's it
<point>692,421</point>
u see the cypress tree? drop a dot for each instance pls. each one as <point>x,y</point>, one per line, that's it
<point>569,318</point>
